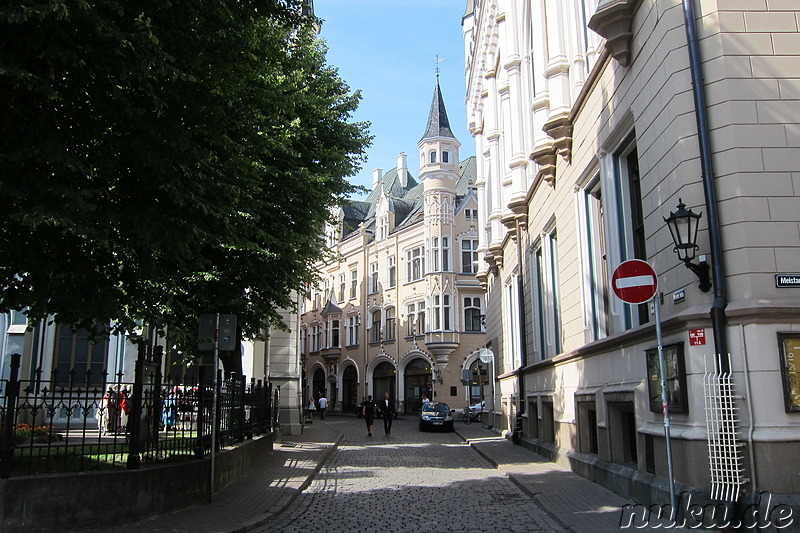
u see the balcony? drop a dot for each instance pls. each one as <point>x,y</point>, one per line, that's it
<point>441,344</point>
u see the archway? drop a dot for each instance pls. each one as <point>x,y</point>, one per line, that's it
<point>318,384</point>
<point>417,379</point>
<point>383,380</point>
<point>349,389</point>
<point>479,381</point>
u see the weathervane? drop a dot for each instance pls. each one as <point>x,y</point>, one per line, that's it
<point>436,62</point>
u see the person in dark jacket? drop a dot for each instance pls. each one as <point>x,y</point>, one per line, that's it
<point>389,412</point>
<point>368,410</point>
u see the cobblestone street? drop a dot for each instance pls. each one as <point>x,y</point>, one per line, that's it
<point>409,481</point>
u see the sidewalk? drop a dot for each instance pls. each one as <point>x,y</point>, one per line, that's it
<point>253,500</point>
<point>576,502</point>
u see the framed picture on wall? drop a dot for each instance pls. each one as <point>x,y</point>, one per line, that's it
<point>675,370</point>
<point>789,344</point>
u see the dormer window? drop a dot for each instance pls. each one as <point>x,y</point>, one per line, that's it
<point>433,156</point>
<point>445,156</point>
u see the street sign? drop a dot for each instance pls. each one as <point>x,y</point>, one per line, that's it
<point>634,281</point>
<point>697,337</point>
<point>486,355</point>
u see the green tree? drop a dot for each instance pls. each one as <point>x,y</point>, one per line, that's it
<point>161,160</point>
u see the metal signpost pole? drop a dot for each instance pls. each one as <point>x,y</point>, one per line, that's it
<point>214,412</point>
<point>665,404</point>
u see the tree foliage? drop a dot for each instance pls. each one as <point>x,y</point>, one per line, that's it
<point>160,159</point>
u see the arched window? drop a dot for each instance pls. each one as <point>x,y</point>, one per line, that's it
<point>433,156</point>
<point>472,314</point>
<point>334,334</point>
<point>445,156</point>
<point>388,331</point>
<point>375,326</point>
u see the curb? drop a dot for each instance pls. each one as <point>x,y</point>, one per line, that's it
<point>286,501</point>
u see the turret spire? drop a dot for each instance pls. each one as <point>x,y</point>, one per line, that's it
<point>438,123</point>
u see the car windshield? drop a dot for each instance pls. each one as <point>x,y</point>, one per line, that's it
<point>436,408</point>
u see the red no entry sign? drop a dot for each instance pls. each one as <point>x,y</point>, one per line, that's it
<point>634,281</point>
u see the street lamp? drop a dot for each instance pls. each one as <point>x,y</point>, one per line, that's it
<point>683,225</point>
<point>437,375</point>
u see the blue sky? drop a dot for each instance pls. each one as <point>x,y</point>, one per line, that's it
<point>386,49</point>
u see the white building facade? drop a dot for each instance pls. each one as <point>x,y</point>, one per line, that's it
<point>585,121</point>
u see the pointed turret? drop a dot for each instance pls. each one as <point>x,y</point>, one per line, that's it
<point>438,123</point>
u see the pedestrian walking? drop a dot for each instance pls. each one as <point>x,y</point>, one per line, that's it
<point>311,408</point>
<point>368,410</point>
<point>323,406</point>
<point>389,412</point>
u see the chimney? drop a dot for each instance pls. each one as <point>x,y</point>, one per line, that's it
<point>402,169</point>
<point>377,174</point>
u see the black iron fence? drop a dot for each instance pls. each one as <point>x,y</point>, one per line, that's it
<point>81,421</point>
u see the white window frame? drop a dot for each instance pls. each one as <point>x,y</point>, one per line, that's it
<point>415,263</point>
<point>353,284</point>
<point>373,278</point>
<point>470,267</point>
<point>391,267</point>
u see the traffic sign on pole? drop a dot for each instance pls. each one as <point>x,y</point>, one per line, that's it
<point>634,281</point>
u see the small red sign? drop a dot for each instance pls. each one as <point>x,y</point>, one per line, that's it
<point>634,281</point>
<point>697,337</point>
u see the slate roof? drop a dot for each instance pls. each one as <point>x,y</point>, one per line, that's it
<point>438,123</point>
<point>406,203</point>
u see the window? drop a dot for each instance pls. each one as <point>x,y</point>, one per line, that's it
<point>472,314</point>
<point>471,214</point>
<point>388,330</point>
<point>303,340</point>
<point>630,219</point>
<point>433,156</point>
<point>334,334</point>
<point>327,295</point>
<point>342,287</point>
<point>587,424</point>
<point>512,331</point>
<point>315,338</point>
<point>392,269</point>
<point>415,263</point>
<point>594,261</point>
<point>416,319</point>
<point>440,254</point>
<point>546,307</point>
<point>78,359</point>
<point>375,326</point>
<point>441,312</point>
<point>469,256</point>
<point>353,284</point>
<point>445,156</point>
<point>352,330</point>
<point>383,227</point>
<point>675,370</point>
<point>373,277</point>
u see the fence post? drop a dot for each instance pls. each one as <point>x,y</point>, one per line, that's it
<point>135,419</point>
<point>240,411</point>
<point>218,392</point>
<point>9,414</point>
<point>201,412</point>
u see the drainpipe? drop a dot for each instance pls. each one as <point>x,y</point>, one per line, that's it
<point>718,319</point>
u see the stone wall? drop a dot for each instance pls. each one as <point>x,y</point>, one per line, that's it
<point>59,502</point>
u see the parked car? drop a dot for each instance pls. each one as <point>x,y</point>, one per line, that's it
<point>436,415</point>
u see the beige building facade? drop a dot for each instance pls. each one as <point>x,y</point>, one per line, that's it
<point>585,120</point>
<point>398,308</point>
